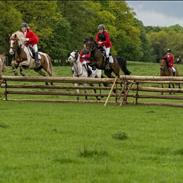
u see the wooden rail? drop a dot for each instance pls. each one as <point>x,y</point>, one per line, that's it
<point>123,90</point>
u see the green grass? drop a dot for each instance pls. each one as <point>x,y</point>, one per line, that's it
<point>75,143</point>
<point>89,143</point>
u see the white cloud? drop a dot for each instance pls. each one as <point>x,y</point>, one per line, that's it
<point>155,18</point>
<point>161,13</point>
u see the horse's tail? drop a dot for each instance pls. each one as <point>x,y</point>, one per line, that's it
<point>50,65</point>
<point>123,65</point>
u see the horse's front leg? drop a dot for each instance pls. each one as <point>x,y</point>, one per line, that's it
<point>162,86</point>
<point>14,67</point>
<point>21,71</point>
<point>85,91</point>
<point>77,91</point>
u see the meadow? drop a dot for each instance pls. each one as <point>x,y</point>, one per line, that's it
<point>89,143</point>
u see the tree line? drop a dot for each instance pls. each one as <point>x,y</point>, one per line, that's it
<point>63,25</point>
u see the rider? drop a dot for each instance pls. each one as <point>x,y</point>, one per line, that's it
<point>32,41</point>
<point>85,58</point>
<point>170,58</point>
<point>103,40</point>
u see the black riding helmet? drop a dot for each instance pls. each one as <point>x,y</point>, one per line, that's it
<point>24,24</point>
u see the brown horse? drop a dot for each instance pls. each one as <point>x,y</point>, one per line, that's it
<point>23,58</point>
<point>118,64</point>
<point>166,71</point>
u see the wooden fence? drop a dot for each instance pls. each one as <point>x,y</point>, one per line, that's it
<point>149,90</point>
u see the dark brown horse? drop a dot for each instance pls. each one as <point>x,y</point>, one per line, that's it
<point>118,64</point>
<point>23,57</point>
<point>166,71</point>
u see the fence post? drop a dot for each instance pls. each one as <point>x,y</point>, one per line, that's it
<point>137,93</point>
<point>6,90</point>
<point>110,91</point>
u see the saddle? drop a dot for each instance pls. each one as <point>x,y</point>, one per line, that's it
<point>107,60</point>
<point>32,52</point>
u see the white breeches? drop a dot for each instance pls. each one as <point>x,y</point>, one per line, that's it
<point>107,51</point>
<point>35,47</point>
<point>173,69</point>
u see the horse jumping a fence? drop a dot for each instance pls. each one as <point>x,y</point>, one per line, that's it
<point>81,70</point>
<point>23,58</point>
<point>118,64</point>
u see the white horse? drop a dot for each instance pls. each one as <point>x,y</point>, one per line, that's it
<point>81,70</point>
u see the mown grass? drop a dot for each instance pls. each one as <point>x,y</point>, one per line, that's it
<point>73,143</point>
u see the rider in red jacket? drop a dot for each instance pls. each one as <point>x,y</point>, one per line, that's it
<point>170,58</point>
<point>103,40</point>
<point>32,41</point>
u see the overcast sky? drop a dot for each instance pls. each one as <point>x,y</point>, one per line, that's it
<point>161,13</point>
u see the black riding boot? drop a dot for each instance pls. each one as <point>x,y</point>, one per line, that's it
<point>37,60</point>
<point>89,71</point>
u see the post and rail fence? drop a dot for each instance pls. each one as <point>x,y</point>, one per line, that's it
<point>148,90</point>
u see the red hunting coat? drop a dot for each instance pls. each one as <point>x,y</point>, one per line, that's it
<point>104,38</point>
<point>33,38</point>
<point>170,58</point>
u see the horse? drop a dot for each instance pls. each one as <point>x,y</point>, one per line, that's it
<point>116,63</point>
<point>166,71</point>
<point>2,64</point>
<point>81,70</point>
<point>23,58</point>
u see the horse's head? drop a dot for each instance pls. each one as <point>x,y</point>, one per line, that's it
<point>14,43</point>
<point>73,57</point>
<point>90,43</point>
<point>16,40</point>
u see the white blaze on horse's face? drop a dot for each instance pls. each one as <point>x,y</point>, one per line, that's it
<point>11,52</point>
<point>73,57</point>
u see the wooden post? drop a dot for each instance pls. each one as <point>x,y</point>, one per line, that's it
<point>6,90</point>
<point>124,100</point>
<point>110,91</point>
<point>137,93</point>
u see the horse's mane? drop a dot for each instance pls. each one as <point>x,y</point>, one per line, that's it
<point>19,35</point>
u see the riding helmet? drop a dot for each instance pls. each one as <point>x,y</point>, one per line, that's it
<point>24,24</point>
<point>168,50</point>
<point>101,27</point>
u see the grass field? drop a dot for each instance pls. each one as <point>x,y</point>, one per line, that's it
<point>81,143</point>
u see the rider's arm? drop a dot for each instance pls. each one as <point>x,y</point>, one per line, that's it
<point>107,38</point>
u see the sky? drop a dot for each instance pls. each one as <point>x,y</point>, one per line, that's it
<point>158,13</point>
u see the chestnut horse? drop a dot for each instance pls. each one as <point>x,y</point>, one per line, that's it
<point>23,58</point>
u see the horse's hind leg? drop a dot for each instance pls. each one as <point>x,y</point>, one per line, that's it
<point>42,73</point>
<point>49,72</point>
<point>21,71</point>
<point>95,92</point>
